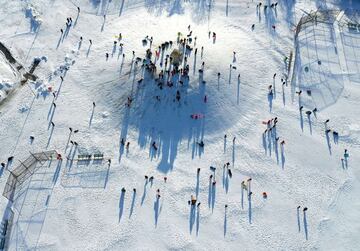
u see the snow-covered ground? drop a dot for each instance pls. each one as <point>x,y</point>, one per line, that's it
<point>70,205</point>
<point>8,77</point>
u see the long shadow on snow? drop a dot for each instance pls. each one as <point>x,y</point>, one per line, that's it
<point>166,121</point>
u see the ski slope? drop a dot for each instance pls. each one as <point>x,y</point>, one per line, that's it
<point>69,205</point>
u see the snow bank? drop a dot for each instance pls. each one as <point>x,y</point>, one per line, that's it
<point>7,78</point>
<point>5,88</point>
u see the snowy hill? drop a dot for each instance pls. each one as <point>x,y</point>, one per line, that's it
<point>105,89</point>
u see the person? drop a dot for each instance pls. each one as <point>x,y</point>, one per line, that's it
<point>107,55</point>
<point>123,190</point>
<point>78,8</point>
<point>205,99</point>
<point>193,200</point>
<point>201,144</point>
<point>94,104</point>
<point>198,170</point>
<point>230,173</point>
<point>243,185</point>
<point>253,26</point>
<point>154,146</point>
<point>158,193</point>
<point>90,41</point>
<point>127,145</point>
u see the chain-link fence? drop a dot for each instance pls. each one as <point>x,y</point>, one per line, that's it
<point>327,55</point>
<point>24,170</point>
<point>317,69</point>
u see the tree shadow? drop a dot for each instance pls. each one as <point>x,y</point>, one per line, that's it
<point>159,117</point>
<point>200,9</point>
